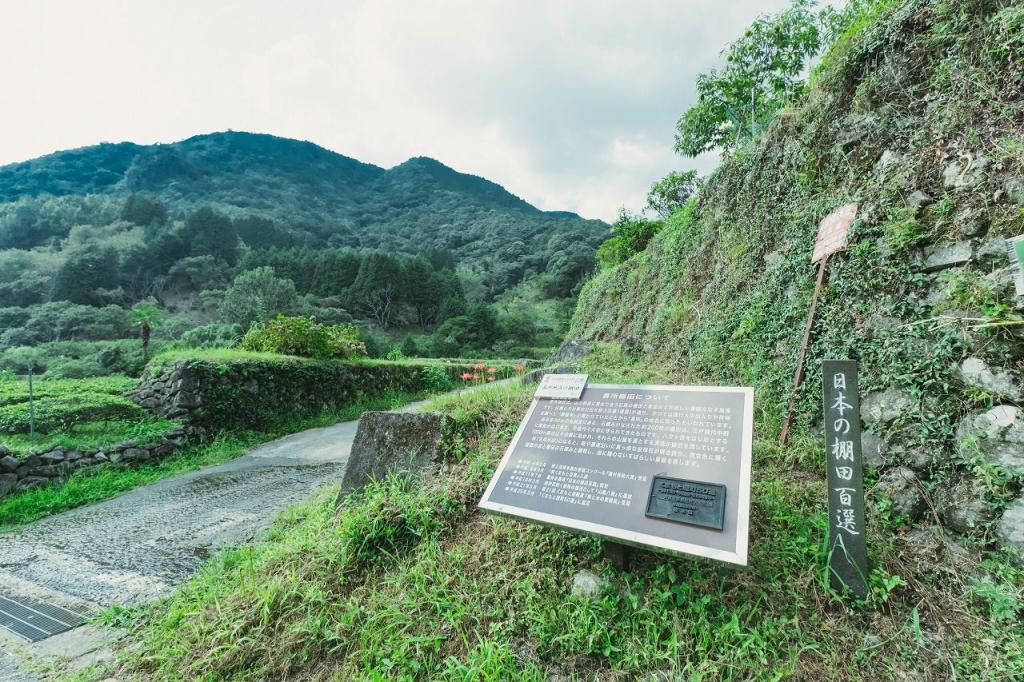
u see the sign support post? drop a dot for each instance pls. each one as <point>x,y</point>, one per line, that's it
<point>833,232</point>
<point>620,555</point>
<point>798,375</point>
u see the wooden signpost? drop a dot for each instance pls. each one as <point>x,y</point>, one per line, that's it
<point>659,467</point>
<point>848,564</point>
<point>833,236</point>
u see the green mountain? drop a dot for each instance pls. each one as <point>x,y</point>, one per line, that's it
<point>225,229</point>
<point>317,196</point>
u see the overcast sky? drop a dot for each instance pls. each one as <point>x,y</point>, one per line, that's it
<point>570,105</point>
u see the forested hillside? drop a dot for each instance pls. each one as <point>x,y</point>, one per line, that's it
<point>218,231</point>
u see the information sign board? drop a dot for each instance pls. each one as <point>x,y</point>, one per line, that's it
<point>661,467</point>
<point>1016,249</point>
<point>848,562</point>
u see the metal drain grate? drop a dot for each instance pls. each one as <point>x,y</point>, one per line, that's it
<point>35,620</point>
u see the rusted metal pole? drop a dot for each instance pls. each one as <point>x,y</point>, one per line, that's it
<point>798,375</point>
<point>31,407</point>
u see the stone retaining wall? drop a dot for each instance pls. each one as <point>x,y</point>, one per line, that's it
<point>41,468</point>
<point>257,392</point>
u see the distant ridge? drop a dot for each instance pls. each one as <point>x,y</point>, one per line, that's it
<point>318,195</point>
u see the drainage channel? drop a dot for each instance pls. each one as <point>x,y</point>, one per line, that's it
<point>35,621</point>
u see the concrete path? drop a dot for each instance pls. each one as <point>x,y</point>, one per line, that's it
<point>138,546</point>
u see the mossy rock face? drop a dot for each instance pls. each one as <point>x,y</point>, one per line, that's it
<point>389,443</point>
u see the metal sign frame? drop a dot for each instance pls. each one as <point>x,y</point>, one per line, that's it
<point>634,538</point>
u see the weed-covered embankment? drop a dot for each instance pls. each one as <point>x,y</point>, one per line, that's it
<point>917,116</point>
<point>233,389</point>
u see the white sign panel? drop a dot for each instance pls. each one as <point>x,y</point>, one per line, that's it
<point>561,386</point>
<point>833,232</point>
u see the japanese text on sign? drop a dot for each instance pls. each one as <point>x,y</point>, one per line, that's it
<point>847,547</point>
<point>589,465</point>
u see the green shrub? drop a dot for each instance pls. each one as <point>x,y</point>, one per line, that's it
<point>409,348</point>
<point>76,359</point>
<point>75,368</point>
<point>436,378</point>
<point>65,412</point>
<point>630,235</point>
<point>902,233</point>
<point>217,335</point>
<point>304,337</point>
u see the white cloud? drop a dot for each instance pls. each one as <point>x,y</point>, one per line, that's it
<point>570,105</point>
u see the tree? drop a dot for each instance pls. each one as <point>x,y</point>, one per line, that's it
<point>261,233</point>
<point>476,330</point>
<point>257,296</point>
<point>88,269</point>
<point>378,286</point>
<point>146,315</point>
<point>763,72</point>
<point>570,258</point>
<point>453,301</point>
<point>335,272</point>
<point>441,259</point>
<point>409,348</point>
<point>670,193</point>
<point>196,273</point>
<point>208,232</point>
<point>424,289</point>
<point>144,210</point>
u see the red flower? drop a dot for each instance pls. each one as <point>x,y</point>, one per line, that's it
<point>476,376</point>
<point>479,365</point>
<point>492,370</point>
<point>519,368</point>
<point>466,376</point>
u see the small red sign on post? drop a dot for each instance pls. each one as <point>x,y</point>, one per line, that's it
<point>833,231</point>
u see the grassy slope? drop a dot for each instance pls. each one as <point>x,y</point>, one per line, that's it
<point>411,582</point>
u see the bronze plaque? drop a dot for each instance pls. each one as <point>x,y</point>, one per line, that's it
<point>693,502</point>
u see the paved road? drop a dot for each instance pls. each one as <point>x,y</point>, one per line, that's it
<point>139,545</point>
